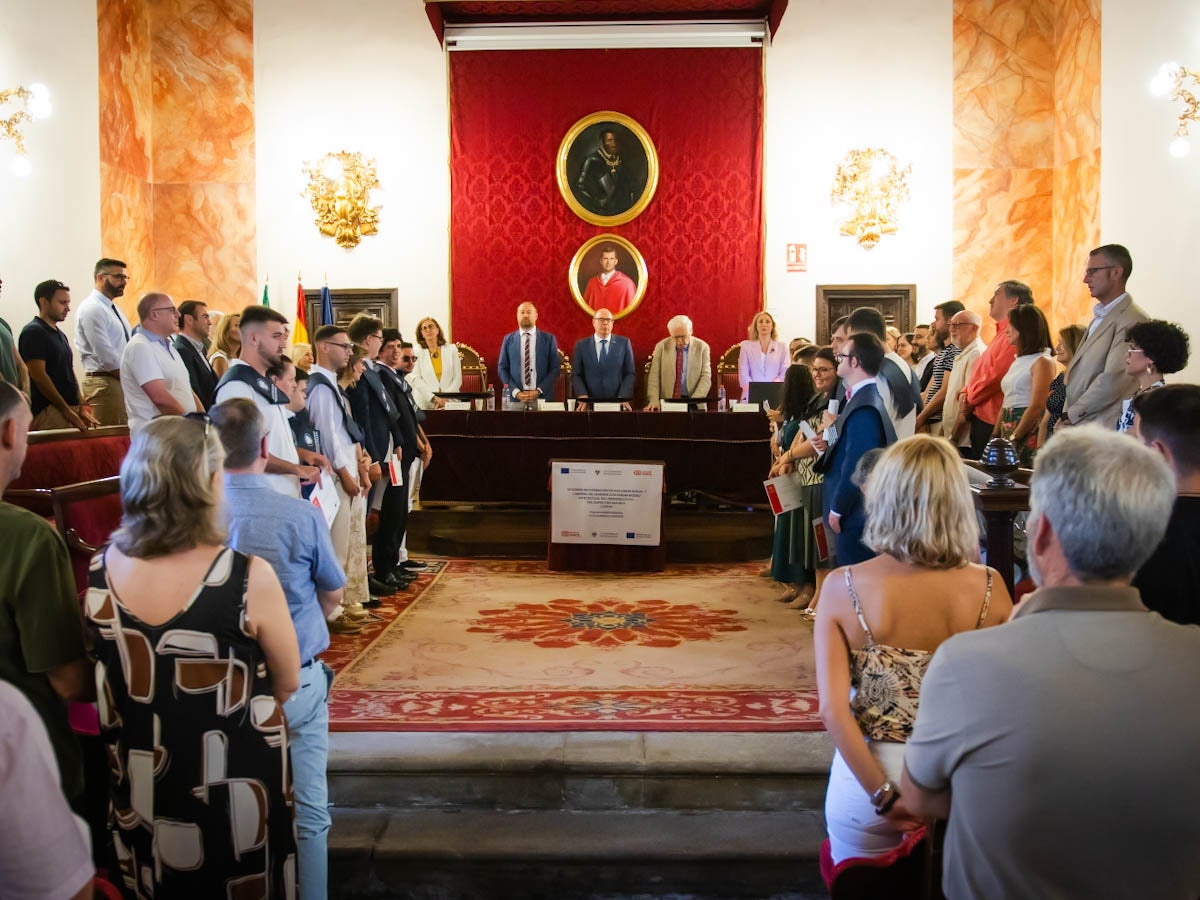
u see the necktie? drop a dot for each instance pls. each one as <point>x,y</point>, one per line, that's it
<point>678,372</point>
<point>603,351</point>
<point>528,370</point>
<point>124,327</point>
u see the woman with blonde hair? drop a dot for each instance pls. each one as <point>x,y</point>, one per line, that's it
<point>878,625</point>
<point>227,343</point>
<point>762,356</point>
<point>438,367</point>
<point>302,356</point>
<point>196,654</point>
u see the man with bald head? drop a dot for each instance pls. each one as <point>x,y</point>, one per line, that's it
<point>153,377</point>
<point>529,361</point>
<point>964,332</point>
<point>680,365</point>
<point>602,365</point>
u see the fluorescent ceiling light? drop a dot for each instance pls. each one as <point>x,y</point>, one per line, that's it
<point>605,36</point>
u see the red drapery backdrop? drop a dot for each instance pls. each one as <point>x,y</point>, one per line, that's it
<point>512,236</point>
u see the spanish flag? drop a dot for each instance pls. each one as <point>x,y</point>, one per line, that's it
<point>300,329</point>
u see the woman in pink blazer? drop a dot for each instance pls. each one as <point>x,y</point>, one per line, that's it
<point>763,357</point>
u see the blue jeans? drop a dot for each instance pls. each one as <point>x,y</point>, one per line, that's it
<point>307,714</point>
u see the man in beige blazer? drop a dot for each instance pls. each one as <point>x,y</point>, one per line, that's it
<point>964,332</point>
<point>696,376</point>
<point>1096,379</point>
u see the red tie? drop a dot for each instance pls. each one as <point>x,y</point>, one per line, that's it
<point>678,373</point>
<point>528,375</point>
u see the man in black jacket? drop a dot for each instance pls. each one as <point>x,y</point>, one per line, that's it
<point>384,434</point>
<point>194,325</point>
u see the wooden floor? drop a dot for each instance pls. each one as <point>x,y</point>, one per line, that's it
<point>693,534</point>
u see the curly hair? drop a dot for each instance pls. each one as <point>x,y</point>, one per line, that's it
<point>1164,343</point>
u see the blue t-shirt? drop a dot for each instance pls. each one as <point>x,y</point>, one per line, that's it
<point>292,536</point>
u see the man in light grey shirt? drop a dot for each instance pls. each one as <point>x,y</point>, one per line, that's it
<point>153,377</point>
<point>1062,746</point>
<point>101,333</point>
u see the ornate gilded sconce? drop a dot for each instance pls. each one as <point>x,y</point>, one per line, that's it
<point>35,104</point>
<point>868,187</point>
<point>1170,80</point>
<point>340,188</point>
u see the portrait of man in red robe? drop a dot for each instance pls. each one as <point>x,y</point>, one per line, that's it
<point>610,288</point>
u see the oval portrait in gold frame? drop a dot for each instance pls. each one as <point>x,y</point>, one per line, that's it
<point>623,290</point>
<point>607,168</point>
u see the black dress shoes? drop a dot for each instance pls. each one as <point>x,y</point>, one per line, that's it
<point>399,579</point>
<point>413,565</point>
<point>381,587</point>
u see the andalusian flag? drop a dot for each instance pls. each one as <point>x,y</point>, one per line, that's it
<point>300,329</point>
<point>266,300</point>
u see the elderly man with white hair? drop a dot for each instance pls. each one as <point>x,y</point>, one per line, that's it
<point>1061,747</point>
<point>680,365</point>
<point>964,333</point>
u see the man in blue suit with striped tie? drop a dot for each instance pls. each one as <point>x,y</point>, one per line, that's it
<point>529,361</point>
<point>602,365</point>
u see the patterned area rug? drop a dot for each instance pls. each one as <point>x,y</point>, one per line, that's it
<point>510,646</point>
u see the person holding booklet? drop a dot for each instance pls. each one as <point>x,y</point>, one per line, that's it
<point>795,556</point>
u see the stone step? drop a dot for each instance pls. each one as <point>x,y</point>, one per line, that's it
<point>565,855</point>
<point>574,771</point>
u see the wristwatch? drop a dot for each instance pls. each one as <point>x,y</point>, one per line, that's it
<point>884,789</point>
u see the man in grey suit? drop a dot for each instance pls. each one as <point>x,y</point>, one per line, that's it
<point>602,365</point>
<point>1096,379</point>
<point>680,365</point>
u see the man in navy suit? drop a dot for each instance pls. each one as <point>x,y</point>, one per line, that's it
<point>602,365</point>
<point>194,325</point>
<point>862,425</point>
<point>529,361</point>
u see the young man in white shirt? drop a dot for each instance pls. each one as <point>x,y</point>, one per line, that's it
<point>101,333</point>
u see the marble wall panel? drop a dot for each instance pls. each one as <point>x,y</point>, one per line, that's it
<point>203,57</point>
<point>1076,79</point>
<point>204,243</point>
<point>123,33</point>
<point>1076,231</point>
<point>126,217</point>
<point>1002,230</point>
<point>1003,83</point>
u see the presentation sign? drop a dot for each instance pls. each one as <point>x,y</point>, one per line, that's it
<point>606,503</point>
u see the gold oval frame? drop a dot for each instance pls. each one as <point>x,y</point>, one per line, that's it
<point>577,260</point>
<point>560,169</point>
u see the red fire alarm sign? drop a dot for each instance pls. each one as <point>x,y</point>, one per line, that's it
<point>797,257</point>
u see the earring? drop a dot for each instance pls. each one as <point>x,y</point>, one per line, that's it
<point>1149,370</point>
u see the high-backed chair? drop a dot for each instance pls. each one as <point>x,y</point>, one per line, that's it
<point>474,368</point>
<point>727,372</point>
<point>562,384</point>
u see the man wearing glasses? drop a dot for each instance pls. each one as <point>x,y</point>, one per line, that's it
<point>101,333</point>
<point>154,379</point>
<point>602,365</point>
<point>1096,379</point>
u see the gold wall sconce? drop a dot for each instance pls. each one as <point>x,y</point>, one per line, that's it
<point>341,188</point>
<point>868,188</point>
<point>34,104</point>
<point>1170,80</point>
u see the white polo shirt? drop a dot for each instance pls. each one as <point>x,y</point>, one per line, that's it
<point>150,358</point>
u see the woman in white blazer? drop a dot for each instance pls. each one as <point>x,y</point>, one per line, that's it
<point>438,367</point>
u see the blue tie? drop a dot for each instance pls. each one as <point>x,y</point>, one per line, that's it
<point>603,351</point>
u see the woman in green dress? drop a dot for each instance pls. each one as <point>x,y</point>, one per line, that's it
<point>794,560</point>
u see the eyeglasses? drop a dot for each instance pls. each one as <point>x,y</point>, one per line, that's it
<point>169,309</point>
<point>200,417</point>
<point>824,370</point>
<point>1129,351</point>
<point>600,319</point>
<point>115,276</point>
<point>1088,273</point>
<point>841,356</point>
<point>378,337</point>
<point>408,359</point>
<point>345,346</point>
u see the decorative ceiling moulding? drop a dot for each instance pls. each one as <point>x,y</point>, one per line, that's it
<point>601,36</point>
<point>446,15</point>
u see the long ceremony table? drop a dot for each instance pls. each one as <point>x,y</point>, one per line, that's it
<point>501,457</point>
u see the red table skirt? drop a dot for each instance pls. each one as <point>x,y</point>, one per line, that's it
<point>502,457</point>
